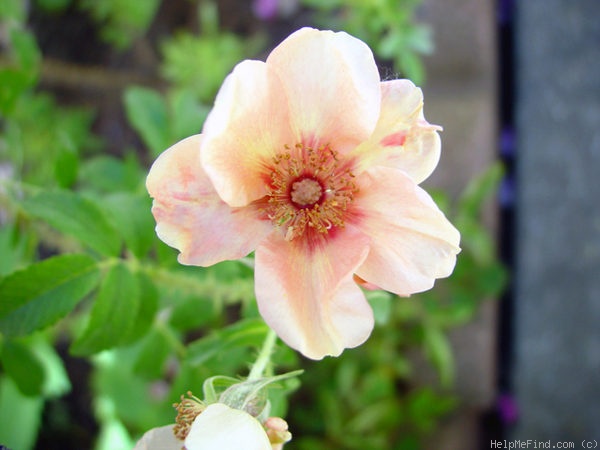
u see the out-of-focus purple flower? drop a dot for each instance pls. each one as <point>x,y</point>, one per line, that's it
<point>265,9</point>
<point>270,9</point>
<point>507,409</point>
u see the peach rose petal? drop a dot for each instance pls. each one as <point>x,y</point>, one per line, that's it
<point>190,215</point>
<point>412,242</point>
<point>306,293</point>
<point>403,139</point>
<point>247,126</point>
<point>331,84</point>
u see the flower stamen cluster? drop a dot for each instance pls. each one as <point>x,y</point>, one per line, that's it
<point>187,411</point>
<point>310,189</point>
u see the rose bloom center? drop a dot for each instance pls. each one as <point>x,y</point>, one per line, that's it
<point>306,192</point>
<point>310,190</point>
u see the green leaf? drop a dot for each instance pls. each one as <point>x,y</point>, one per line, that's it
<point>16,247</point>
<point>56,380</point>
<point>153,355</point>
<point>24,367</point>
<point>132,217</point>
<point>43,293</point>
<point>147,113</point>
<point>20,416</point>
<point>121,394</point>
<point>147,309</point>
<point>113,314</point>
<point>185,56</point>
<point>113,435</point>
<point>25,49</point>
<point>411,66</point>
<point>53,5</point>
<point>476,240</point>
<point>492,279</point>
<point>437,348</point>
<point>106,173</point>
<point>13,82</point>
<point>425,408</point>
<point>480,189</point>
<point>250,332</point>
<point>122,20</point>
<point>66,166</point>
<point>381,303</point>
<point>13,10</point>
<point>75,216</point>
<point>187,114</point>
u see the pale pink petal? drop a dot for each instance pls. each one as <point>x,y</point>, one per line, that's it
<point>306,293</point>
<point>412,242</point>
<point>331,83</point>
<point>220,427</point>
<point>190,215</point>
<point>403,139</point>
<point>247,126</point>
<point>159,439</point>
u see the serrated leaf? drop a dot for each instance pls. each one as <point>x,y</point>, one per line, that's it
<point>75,216</point>
<point>113,314</point>
<point>42,293</point>
<point>131,215</point>
<point>146,311</point>
<point>147,113</point>
<point>24,367</point>
<point>249,332</point>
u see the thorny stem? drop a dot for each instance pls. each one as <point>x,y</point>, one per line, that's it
<point>264,357</point>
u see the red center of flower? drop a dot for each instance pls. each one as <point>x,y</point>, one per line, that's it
<point>310,189</point>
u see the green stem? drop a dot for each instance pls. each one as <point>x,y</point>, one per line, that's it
<point>264,357</point>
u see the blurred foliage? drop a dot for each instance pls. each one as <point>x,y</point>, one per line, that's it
<point>388,26</point>
<point>83,276</point>
<point>122,20</point>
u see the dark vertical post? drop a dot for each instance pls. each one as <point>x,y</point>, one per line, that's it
<point>557,297</point>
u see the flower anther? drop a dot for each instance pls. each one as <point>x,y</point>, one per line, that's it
<point>187,411</point>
